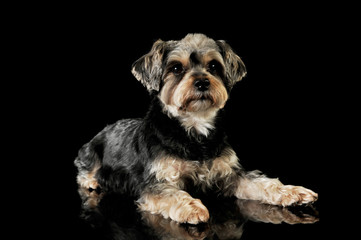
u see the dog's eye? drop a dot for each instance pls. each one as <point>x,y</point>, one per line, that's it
<point>214,67</point>
<point>177,68</point>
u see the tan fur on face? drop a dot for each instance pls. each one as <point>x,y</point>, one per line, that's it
<point>195,110</point>
<point>183,95</point>
<point>181,100</point>
<point>187,98</point>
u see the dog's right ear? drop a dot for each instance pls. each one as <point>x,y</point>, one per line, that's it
<point>148,69</point>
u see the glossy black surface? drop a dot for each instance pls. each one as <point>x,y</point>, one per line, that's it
<point>77,80</point>
<point>116,217</point>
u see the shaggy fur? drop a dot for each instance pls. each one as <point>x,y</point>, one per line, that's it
<point>180,144</point>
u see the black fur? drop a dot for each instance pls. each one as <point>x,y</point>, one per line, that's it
<point>127,148</point>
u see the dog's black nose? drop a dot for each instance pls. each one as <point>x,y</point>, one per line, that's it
<point>202,84</point>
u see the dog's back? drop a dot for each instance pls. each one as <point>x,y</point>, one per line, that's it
<point>109,158</point>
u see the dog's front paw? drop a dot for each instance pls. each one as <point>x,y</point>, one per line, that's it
<point>292,195</point>
<point>192,212</point>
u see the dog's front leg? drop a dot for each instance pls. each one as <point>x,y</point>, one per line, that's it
<point>255,186</point>
<point>173,203</point>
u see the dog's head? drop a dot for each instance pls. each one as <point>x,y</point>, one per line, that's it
<point>195,74</point>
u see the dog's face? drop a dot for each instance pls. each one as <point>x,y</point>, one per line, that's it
<point>195,74</point>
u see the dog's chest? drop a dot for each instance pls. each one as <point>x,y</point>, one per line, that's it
<point>177,171</point>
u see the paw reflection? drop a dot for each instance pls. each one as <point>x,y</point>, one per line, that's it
<point>117,216</point>
<point>170,229</point>
<point>258,212</point>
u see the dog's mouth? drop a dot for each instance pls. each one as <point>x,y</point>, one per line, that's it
<point>201,97</point>
<point>201,101</point>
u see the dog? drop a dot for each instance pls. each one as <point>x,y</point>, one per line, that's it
<point>180,146</point>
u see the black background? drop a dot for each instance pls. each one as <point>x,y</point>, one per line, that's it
<point>77,79</point>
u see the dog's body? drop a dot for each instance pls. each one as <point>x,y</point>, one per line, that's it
<point>180,143</point>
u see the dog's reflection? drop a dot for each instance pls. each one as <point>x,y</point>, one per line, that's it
<point>116,217</point>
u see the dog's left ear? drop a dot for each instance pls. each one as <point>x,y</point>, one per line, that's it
<point>148,69</point>
<point>235,68</point>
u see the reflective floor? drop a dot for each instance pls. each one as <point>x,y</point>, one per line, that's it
<point>116,217</point>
